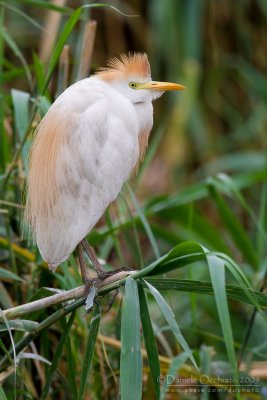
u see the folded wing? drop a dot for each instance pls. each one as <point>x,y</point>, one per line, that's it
<point>80,159</point>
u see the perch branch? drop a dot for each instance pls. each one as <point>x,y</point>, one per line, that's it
<point>108,284</point>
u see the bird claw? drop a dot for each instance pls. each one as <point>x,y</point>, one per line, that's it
<point>106,274</point>
<point>92,286</point>
<point>111,300</point>
<point>92,297</point>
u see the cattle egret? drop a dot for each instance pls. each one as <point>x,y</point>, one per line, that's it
<point>86,147</point>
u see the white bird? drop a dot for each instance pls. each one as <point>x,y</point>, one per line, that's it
<point>86,147</point>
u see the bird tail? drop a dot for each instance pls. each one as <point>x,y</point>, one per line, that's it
<point>53,267</point>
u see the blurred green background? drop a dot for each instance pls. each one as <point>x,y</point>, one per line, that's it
<point>203,179</point>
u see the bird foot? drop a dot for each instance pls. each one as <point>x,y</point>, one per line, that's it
<point>111,300</point>
<point>106,274</point>
<point>89,284</point>
<point>101,276</point>
<point>90,291</point>
<point>92,286</point>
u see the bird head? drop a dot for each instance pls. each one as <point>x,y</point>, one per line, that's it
<point>130,74</point>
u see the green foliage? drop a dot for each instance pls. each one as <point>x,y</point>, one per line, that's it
<point>150,341</point>
<point>57,356</point>
<point>170,319</point>
<point>198,244</point>
<point>88,356</point>
<point>131,357</point>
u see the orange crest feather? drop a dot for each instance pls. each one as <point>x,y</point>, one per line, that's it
<point>133,64</point>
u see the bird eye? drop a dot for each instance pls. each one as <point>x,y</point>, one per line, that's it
<point>133,85</point>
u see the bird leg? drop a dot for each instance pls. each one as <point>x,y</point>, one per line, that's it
<point>90,284</point>
<point>91,254</point>
<point>101,272</point>
<point>83,267</point>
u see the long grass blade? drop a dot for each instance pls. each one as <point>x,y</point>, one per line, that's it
<point>171,203</point>
<point>5,274</point>
<point>176,364</point>
<point>136,245</point>
<point>20,101</point>
<point>19,325</point>
<point>131,358</point>
<point>2,393</point>
<point>234,227</point>
<point>170,318</point>
<point>22,14</point>
<point>89,352</point>
<point>72,368</point>
<point>68,28</point>
<point>183,254</point>
<point>227,184</point>
<point>57,356</point>
<point>12,44</point>
<point>241,279</point>
<point>217,273</point>
<point>32,356</point>
<point>200,191</point>
<point>205,287</point>
<point>261,239</point>
<point>48,5</point>
<point>14,361</point>
<point>145,223</point>
<point>200,229</point>
<point>150,341</point>
<point>39,72</point>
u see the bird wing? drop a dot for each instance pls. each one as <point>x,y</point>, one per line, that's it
<point>81,157</point>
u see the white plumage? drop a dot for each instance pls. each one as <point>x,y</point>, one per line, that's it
<point>85,149</point>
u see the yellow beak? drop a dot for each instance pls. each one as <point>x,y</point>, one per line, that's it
<point>161,86</point>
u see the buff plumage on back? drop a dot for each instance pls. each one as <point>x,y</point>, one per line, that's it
<point>51,135</point>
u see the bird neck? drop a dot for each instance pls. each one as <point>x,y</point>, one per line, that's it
<point>144,113</point>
